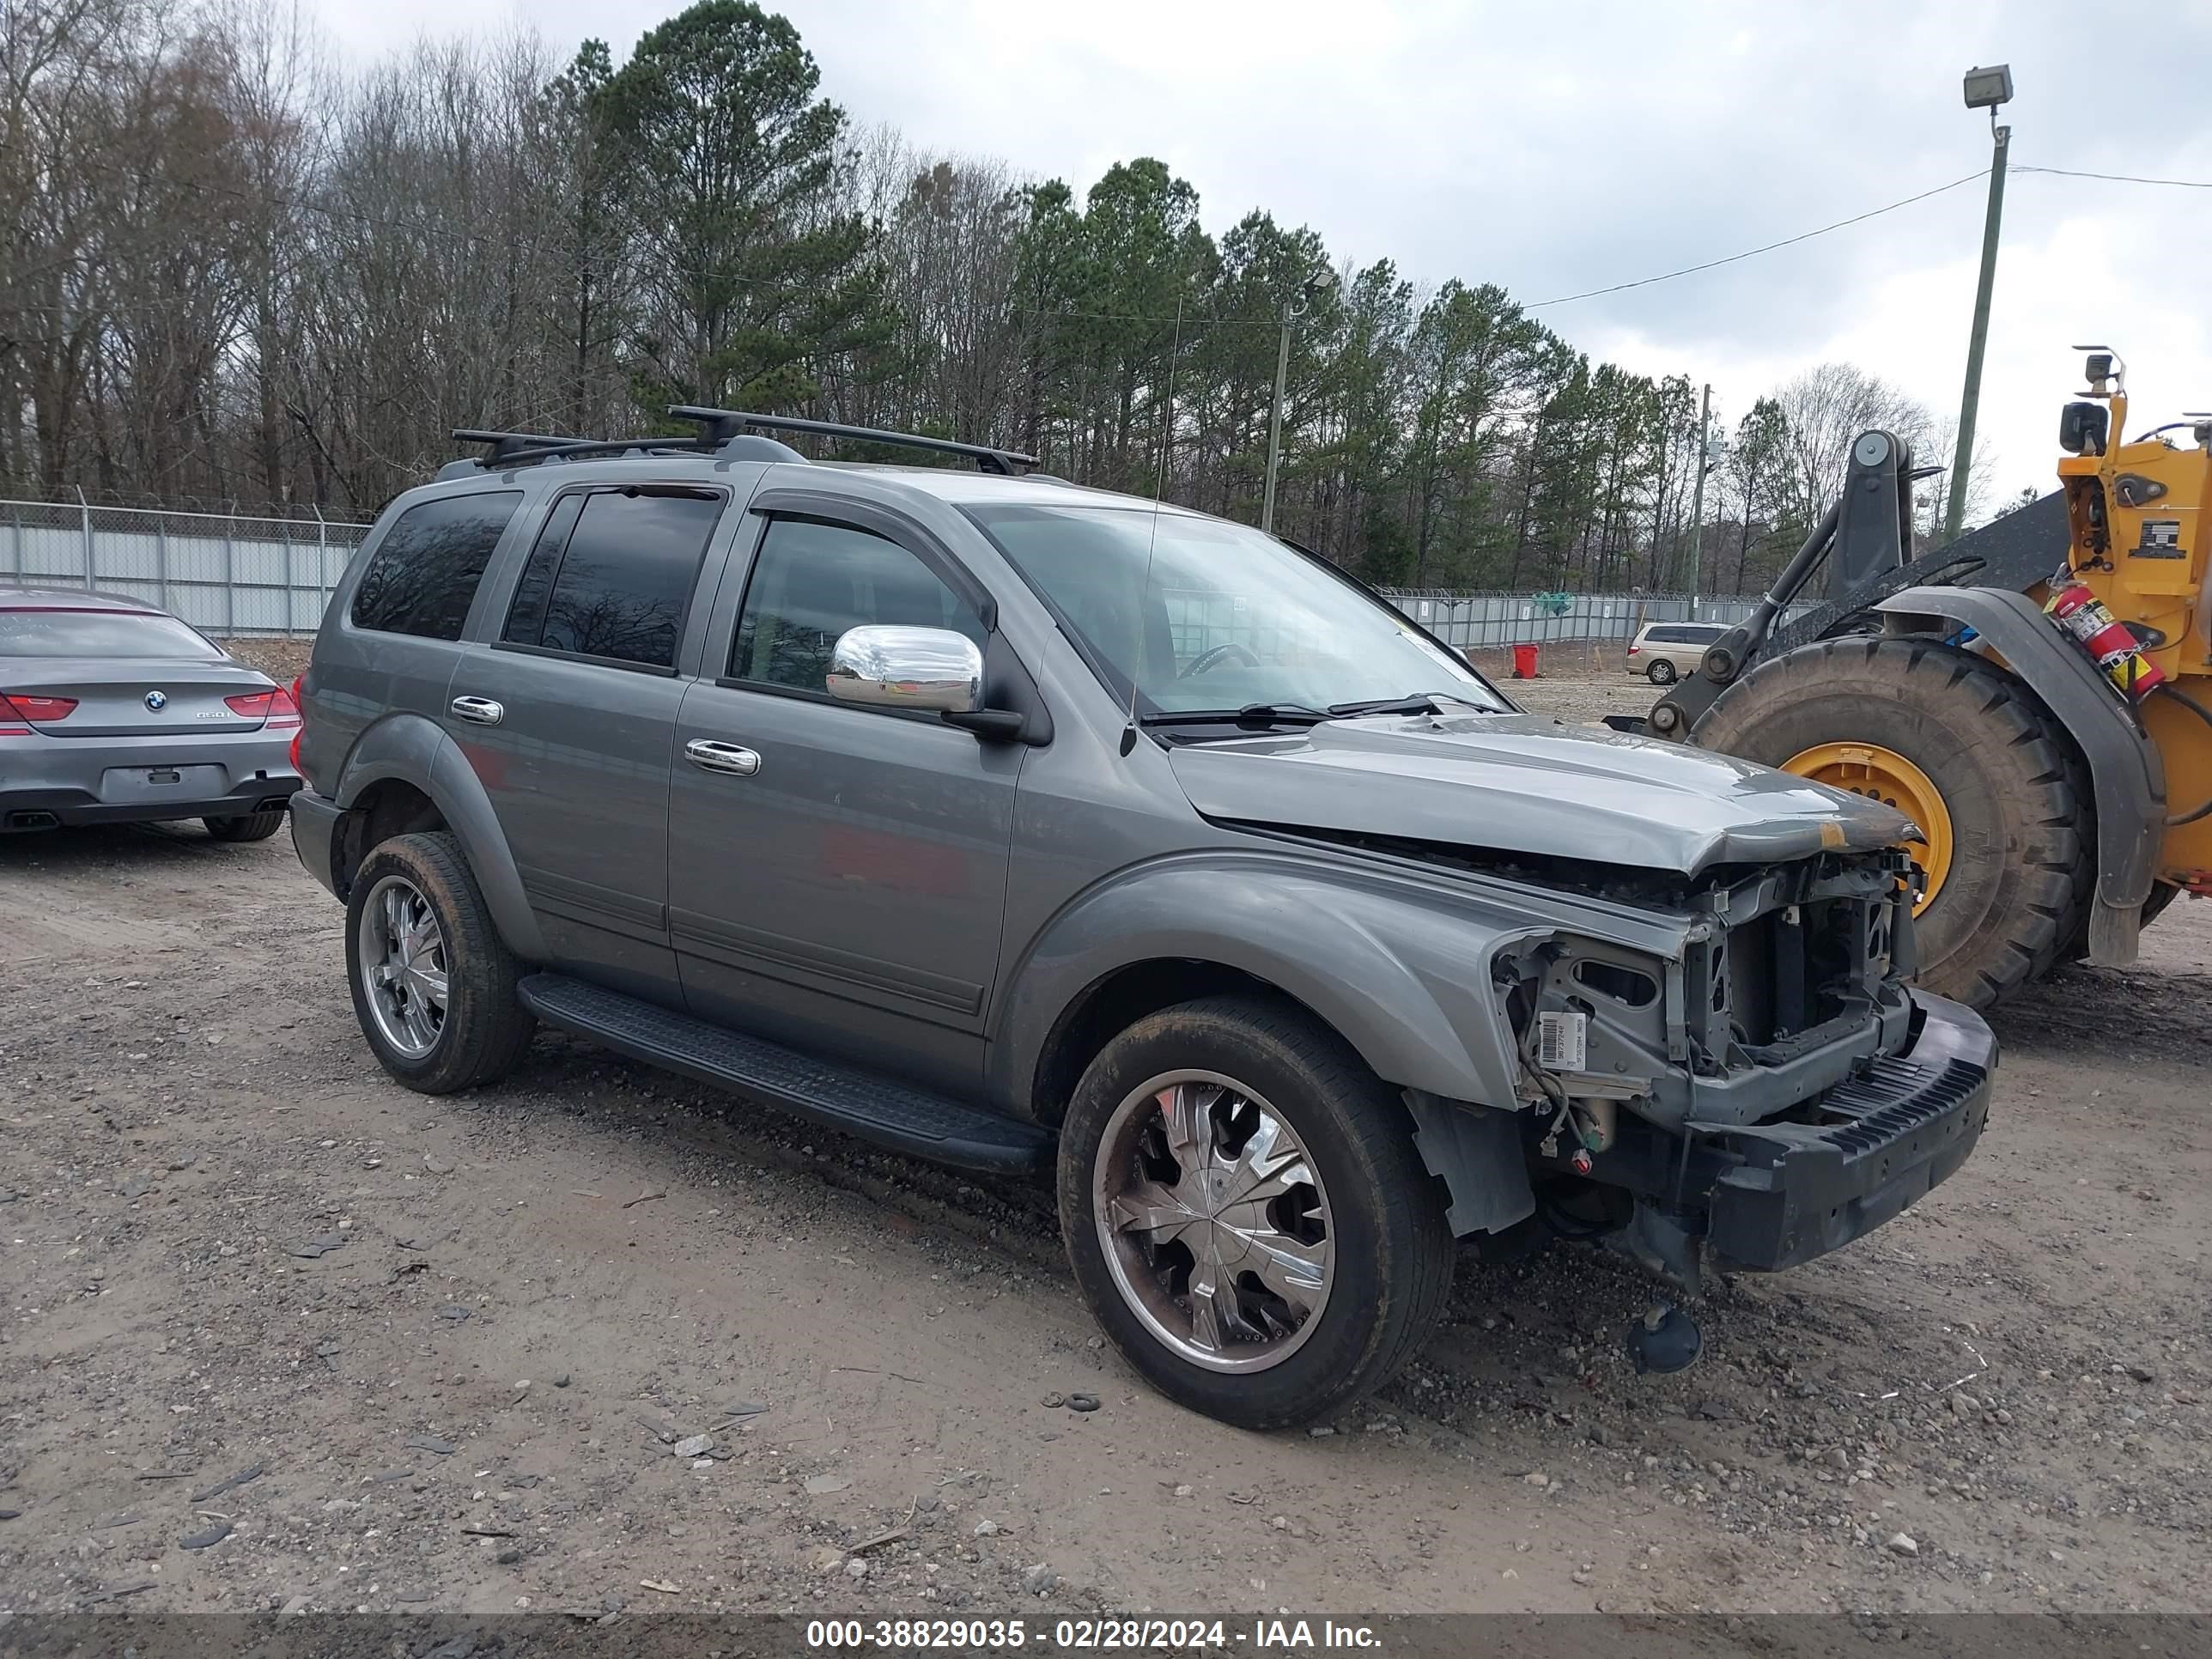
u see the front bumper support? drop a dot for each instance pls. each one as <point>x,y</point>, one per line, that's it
<point>1780,1194</point>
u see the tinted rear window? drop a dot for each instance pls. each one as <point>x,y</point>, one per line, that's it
<point>99,634</point>
<point>1683,633</point>
<point>424,573</point>
<point>612,576</point>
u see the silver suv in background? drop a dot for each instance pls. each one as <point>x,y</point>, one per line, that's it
<point>1664,652</point>
<point>1027,827</point>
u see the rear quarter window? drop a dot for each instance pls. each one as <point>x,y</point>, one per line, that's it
<point>422,575</point>
<point>612,576</point>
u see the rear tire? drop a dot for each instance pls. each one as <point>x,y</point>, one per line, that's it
<point>480,1029</point>
<point>2022,867</point>
<point>1660,672</point>
<point>1323,1285</point>
<point>250,826</point>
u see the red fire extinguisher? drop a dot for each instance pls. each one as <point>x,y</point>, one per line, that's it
<point>2084,618</point>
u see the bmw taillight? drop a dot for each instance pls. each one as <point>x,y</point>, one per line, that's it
<point>274,707</point>
<point>37,709</point>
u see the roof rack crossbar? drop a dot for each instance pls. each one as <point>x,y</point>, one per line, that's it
<point>722,424</point>
<point>505,445</point>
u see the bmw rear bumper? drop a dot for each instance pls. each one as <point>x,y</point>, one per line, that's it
<point>24,809</point>
<point>48,782</point>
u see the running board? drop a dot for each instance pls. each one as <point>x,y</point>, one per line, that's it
<point>893,1114</point>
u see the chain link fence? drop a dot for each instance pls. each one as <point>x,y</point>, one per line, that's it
<point>223,573</point>
<point>232,574</point>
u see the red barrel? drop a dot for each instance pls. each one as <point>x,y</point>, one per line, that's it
<point>1524,662</point>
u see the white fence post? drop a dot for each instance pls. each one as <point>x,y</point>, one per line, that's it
<point>84,507</point>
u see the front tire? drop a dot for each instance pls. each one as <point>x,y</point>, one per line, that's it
<point>2016,845</point>
<point>1247,1214</point>
<point>248,826</point>
<point>433,982</point>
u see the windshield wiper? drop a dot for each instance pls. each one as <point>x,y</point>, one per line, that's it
<point>1252,713</point>
<point>1421,703</point>
<point>1297,714</point>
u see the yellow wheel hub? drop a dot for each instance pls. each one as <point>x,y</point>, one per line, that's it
<point>1883,774</point>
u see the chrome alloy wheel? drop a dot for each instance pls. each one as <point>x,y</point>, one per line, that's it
<point>1213,1221</point>
<point>404,966</point>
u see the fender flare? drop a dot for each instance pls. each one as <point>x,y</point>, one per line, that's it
<point>2126,775</point>
<point>419,753</point>
<point>1400,972</point>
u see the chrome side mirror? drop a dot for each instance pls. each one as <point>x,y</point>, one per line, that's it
<point>932,669</point>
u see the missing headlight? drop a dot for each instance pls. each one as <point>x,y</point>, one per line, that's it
<point>1624,985</point>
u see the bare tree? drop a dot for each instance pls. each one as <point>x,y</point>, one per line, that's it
<point>232,268</point>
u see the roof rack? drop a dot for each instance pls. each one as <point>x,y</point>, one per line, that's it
<point>721,424</point>
<point>505,444</point>
<point>513,449</point>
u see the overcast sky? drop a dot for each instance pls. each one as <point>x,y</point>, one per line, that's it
<point>1554,149</point>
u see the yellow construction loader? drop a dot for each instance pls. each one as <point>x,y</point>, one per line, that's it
<point>2036,697</point>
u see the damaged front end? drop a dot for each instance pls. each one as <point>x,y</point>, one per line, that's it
<point>1763,1093</point>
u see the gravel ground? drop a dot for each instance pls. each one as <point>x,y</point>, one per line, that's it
<point>1579,683</point>
<point>279,1334</point>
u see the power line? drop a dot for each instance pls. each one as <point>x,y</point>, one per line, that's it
<point>2119,178</point>
<point>1753,253</point>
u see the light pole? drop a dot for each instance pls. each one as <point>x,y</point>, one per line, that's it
<point>1985,88</point>
<point>1314,286</point>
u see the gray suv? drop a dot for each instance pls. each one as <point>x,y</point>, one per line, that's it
<point>1025,827</point>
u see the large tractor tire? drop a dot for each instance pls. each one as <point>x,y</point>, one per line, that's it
<point>1965,749</point>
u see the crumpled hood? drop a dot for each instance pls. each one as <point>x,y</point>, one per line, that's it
<point>1523,783</point>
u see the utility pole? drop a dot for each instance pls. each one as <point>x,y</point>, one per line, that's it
<point>1275,428</point>
<point>1985,89</point>
<point>1698,497</point>
<point>1315,286</point>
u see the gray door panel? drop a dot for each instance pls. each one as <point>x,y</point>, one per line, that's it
<point>577,769</point>
<point>570,718</point>
<point>846,896</point>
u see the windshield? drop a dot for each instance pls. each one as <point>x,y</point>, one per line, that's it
<point>1229,619</point>
<point>61,633</point>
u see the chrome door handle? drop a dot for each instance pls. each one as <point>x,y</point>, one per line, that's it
<point>479,711</point>
<point>711,757</point>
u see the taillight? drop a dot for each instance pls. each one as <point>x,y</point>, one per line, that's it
<point>299,700</point>
<point>1635,650</point>
<point>39,710</point>
<point>274,707</point>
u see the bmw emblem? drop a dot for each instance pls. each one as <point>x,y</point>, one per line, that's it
<point>157,701</point>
